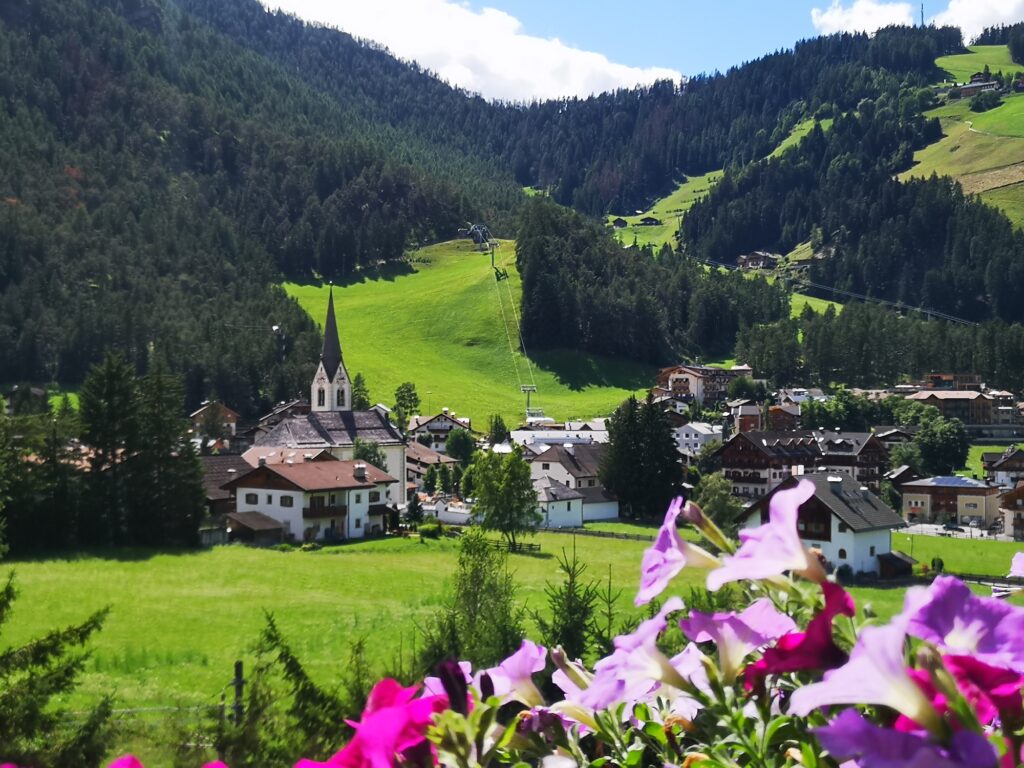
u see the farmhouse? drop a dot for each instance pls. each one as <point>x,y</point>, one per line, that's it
<point>619,223</point>
<point>319,500</point>
<point>218,470</point>
<point>744,415</point>
<point>437,428</point>
<point>956,499</point>
<point>849,524</point>
<point>331,425</point>
<point>699,382</point>
<point>577,467</point>
<point>225,418</point>
<point>756,260</point>
<point>649,221</point>
<point>561,506</point>
<point>756,462</point>
<point>892,435</point>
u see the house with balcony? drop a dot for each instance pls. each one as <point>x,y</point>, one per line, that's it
<point>436,428</point>
<point>756,462</point>
<point>950,499</point>
<point>847,523</point>
<point>319,500</point>
<point>698,382</point>
<point>578,466</point>
<point>1004,468</point>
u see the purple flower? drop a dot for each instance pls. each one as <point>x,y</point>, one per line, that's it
<point>636,666</point>
<point>773,548</point>
<point>513,678</point>
<point>452,681</point>
<point>875,674</point>
<point>956,620</point>
<point>853,736</point>
<point>738,634</point>
<point>668,556</point>
<point>1017,566</point>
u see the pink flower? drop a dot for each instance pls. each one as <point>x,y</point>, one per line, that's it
<point>394,723</point>
<point>124,761</point>
<point>773,548</point>
<point>736,635</point>
<point>668,556</point>
<point>513,678</point>
<point>813,649</point>
<point>992,692</point>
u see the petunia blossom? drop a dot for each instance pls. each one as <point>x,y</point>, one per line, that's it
<point>736,635</point>
<point>950,616</point>
<point>813,649</point>
<point>394,723</point>
<point>668,556</point>
<point>774,548</point>
<point>991,691</point>
<point>875,674</point>
<point>453,681</point>
<point>513,678</point>
<point>851,735</point>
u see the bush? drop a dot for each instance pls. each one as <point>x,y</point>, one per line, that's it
<point>310,546</point>
<point>430,530</point>
<point>938,565</point>
<point>983,102</point>
<point>844,573</point>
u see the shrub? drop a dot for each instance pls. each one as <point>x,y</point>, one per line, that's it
<point>844,573</point>
<point>430,530</point>
<point>311,546</point>
<point>983,102</point>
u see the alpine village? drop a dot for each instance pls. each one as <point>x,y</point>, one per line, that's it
<point>343,407</point>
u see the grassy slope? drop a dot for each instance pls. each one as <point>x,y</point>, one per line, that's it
<point>442,329</point>
<point>668,209</point>
<point>962,66</point>
<point>800,130</point>
<point>973,465</point>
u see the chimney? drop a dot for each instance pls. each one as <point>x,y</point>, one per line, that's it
<point>359,471</point>
<point>263,461</point>
<point>835,482</point>
<point>569,448</point>
<point>445,410</point>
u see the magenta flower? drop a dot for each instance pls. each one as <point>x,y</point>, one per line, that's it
<point>853,736</point>
<point>736,635</point>
<point>875,674</point>
<point>956,620</point>
<point>992,692</point>
<point>513,678</point>
<point>394,723</point>
<point>774,548</point>
<point>813,649</point>
<point>668,556</point>
<point>636,667</point>
<point>1017,566</point>
<point>125,761</point>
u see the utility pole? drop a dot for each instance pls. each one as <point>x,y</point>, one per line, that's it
<point>922,14</point>
<point>239,683</point>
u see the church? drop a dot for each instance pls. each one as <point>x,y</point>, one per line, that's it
<point>331,426</point>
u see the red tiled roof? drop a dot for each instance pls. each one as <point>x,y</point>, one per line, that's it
<point>321,475</point>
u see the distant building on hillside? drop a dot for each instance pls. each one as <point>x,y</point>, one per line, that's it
<point>437,428</point>
<point>699,382</point>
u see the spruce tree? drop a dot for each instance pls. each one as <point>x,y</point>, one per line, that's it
<point>360,394</point>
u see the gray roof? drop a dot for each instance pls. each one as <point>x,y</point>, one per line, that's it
<point>596,495</point>
<point>549,489</point>
<point>805,443</point>
<point>860,509</point>
<point>254,521</point>
<point>583,461</point>
<point>948,481</point>
<point>330,429</point>
<point>217,471</point>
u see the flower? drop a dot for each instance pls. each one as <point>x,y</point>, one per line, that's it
<point>956,620</point>
<point>394,723</point>
<point>875,674</point>
<point>1017,566</point>
<point>737,634</point>
<point>453,679</point>
<point>813,649</point>
<point>124,761</point>
<point>853,736</point>
<point>668,556</point>
<point>513,678</point>
<point>773,548</point>
<point>992,692</point>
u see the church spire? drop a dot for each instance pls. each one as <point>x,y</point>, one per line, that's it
<point>331,354</point>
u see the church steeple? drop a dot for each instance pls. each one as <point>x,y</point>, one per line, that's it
<point>331,389</point>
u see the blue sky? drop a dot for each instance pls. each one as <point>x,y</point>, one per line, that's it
<point>520,50</point>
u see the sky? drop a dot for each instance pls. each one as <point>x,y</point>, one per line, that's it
<point>519,50</point>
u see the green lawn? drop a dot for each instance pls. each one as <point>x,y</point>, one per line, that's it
<point>1005,120</point>
<point>800,130</point>
<point>978,556</point>
<point>797,302</point>
<point>1010,200</point>
<point>960,67</point>
<point>668,209</point>
<point>973,464</point>
<point>448,327</point>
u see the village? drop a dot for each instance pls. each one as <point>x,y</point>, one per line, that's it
<point>295,476</point>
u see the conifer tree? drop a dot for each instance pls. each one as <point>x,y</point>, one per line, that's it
<point>360,394</point>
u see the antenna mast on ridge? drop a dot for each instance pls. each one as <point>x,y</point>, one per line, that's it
<point>922,14</point>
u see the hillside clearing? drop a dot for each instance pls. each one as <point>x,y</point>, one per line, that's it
<point>441,325</point>
<point>668,210</point>
<point>960,67</point>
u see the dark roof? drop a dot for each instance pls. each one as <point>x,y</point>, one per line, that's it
<point>416,452</point>
<point>583,460</point>
<point>549,489</point>
<point>805,443</point>
<point>329,429</point>
<point>898,556</point>
<point>254,521</point>
<point>596,495</point>
<point>949,481</point>
<point>884,431</point>
<point>217,471</point>
<point>331,355</point>
<point>1010,455</point>
<point>860,509</point>
<point>900,475</point>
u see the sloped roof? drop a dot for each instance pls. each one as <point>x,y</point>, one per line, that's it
<point>330,429</point>
<point>944,394</point>
<point>421,454</point>
<point>415,422</point>
<point>217,470</point>
<point>319,475</point>
<point>860,509</point>
<point>331,354</point>
<point>254,521</point>
<point>949,481</point>
<point>548,489</point>
<point>583,461</point>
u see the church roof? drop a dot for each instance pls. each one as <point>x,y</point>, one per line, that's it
<point>331,429</point>
<point>331,354</point>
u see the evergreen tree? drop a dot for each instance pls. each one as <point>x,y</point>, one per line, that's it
<point>406,400</point>
<point>414,509</point>
<point>506,501</point>
<point>717,502</point>
<point>572,609</point>
<point>497,432</point>
<point>460,445</point>
<point>444,478</point>
<point>430,479</point>
<point>360,394</point>
<point>370,452</point>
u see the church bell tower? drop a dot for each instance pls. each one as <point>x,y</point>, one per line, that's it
<point>331,389</point>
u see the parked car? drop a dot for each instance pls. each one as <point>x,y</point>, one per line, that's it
<point>951,526</point>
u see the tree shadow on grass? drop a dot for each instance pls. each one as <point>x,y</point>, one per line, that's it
<point>577,370</point>
<point>388,271</point>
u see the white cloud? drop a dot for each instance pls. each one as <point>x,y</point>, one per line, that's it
<point>486,51</point>
<point>972,16</point>
<point>862,16</point>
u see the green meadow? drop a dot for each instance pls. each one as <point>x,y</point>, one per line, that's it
<point>668,210</point>
<point>980,556</point>
<point>449,327</point>
<point>960,67</point>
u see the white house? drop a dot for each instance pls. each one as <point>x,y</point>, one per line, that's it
<point>577,467</point>
<point>437,428</point>
<point>845,521</point>
<point>693,436</point>
<point>319,500</point>
<point>561,506</point>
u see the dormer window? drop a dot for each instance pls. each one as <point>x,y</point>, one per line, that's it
<point>320,397</point>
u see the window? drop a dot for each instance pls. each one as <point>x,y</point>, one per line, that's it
<point>545,466</point>
<point>590,482</point>
<point>359,522</point>
<point>843,527</point>
<point>320,397</point>
<point>842,554</point>
<point>971,505</point>
<point>334,499</point>
<point>270,498</point>
<point>287,501</point>
<point>341,397</point>
<point>359,499</point>
<point>872,552</point>
<point>374,496</point>
<point>252,498</point>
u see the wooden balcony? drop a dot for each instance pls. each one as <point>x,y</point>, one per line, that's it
<point>337,510</point>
